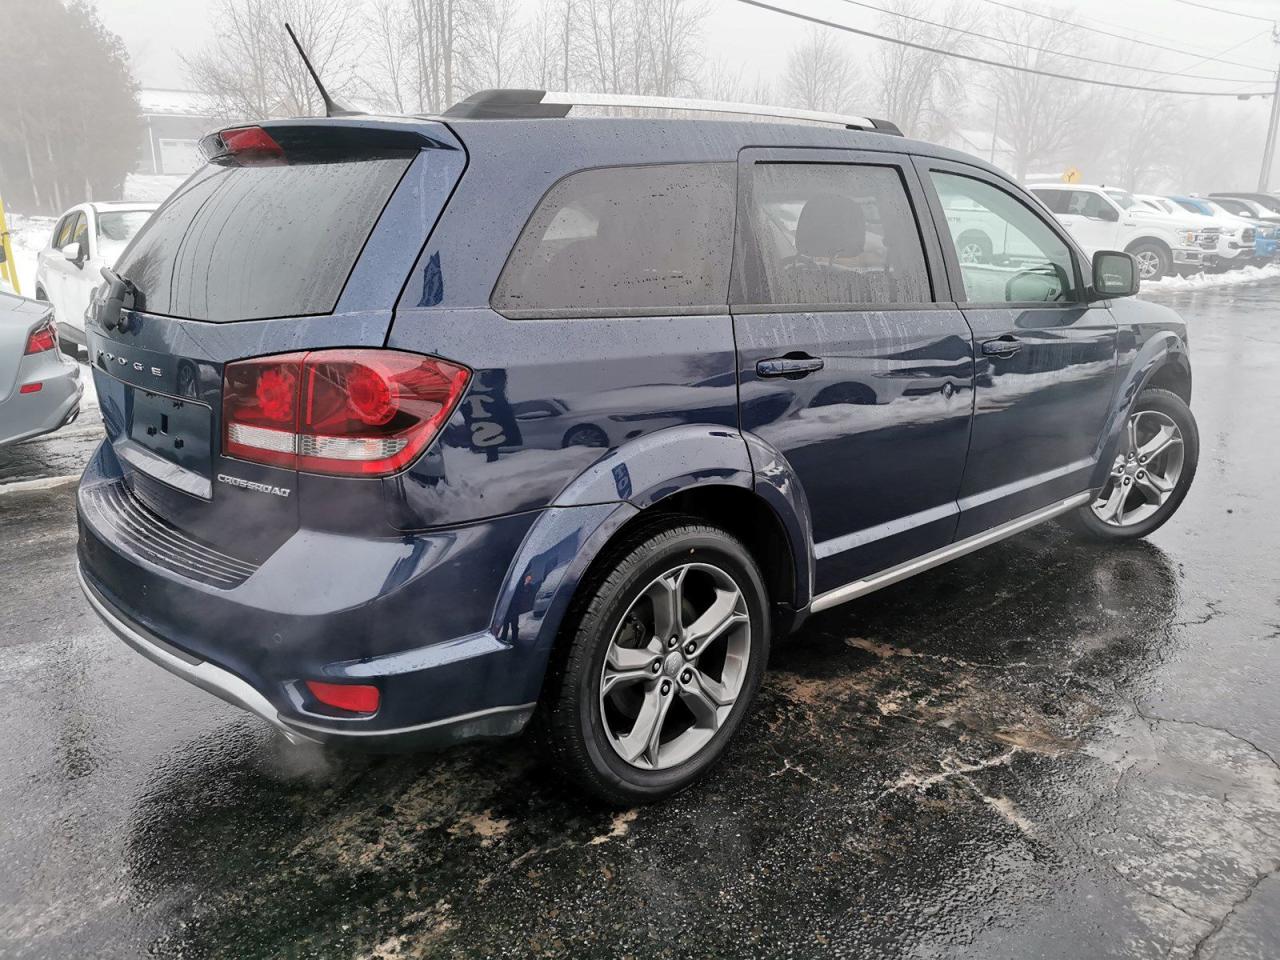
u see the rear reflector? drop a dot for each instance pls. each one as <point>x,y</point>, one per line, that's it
<point>42,338</point>
<point>31,388</point>
<point>352,697</point>
<point>362,413</point>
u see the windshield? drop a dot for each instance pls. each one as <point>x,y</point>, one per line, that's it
<point>116,228</point>
<point>1123,198</point>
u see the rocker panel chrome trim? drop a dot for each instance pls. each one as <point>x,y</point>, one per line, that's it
<point>862,587</point>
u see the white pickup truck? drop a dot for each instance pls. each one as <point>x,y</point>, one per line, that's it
<point>1108,218</point>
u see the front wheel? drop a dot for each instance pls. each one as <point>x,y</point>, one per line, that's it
<point>1151,473</point>
<point>663,655</point>
<point>1154,261</point>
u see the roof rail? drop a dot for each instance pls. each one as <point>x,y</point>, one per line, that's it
<point>525,104</point>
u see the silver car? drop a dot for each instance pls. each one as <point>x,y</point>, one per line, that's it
<point>40,387</point>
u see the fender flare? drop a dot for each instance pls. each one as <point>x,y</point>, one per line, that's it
<point>1164,349</point>
<point>570,534</point>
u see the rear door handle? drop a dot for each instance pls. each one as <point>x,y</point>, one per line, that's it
<point>794,366</point>
<point>1005,346</point>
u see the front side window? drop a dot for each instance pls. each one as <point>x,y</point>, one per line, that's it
<point>830,234</point>
<point>645,239</point>
<point>1007,253</point>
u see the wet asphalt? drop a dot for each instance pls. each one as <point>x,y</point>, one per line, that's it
<point>1047,749</point>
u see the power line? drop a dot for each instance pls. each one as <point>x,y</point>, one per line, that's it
<point>996,63</point>
<point>1234,46</point>
<point>1230,13</point>
<point>1126,38</point>
<point>1032,46</point>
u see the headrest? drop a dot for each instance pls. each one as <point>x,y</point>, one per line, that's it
<point>831,224</point>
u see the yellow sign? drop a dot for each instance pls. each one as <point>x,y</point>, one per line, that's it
<point>8,266</point>
<point>1071,175</point>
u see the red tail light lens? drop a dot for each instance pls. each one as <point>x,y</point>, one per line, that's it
<point>344,412</point>
<point>353,697</point>
<point>244,144</point>
<point>42,338</point>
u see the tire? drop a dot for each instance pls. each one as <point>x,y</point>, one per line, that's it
<point>1154,260</point>
<point>69,347</point>
<point>974,247</point>
<point>1155,408</point>
<point>585,435</point>
<point>41,295</point>
<point>613,622</point>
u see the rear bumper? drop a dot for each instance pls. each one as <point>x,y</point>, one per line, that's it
<point>410,614</point>
<point>24,416</point>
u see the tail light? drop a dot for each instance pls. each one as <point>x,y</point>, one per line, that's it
<point>42,338</point>
<point>242,145</point>
<point>364,413</point>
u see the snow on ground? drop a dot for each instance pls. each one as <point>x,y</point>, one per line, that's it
<point>151,186</point>
<point>1203,281</point>
<point>28,235</point>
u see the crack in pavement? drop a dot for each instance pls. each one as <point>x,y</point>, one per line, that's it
<point>1221,922</point>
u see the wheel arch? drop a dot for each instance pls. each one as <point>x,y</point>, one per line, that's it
<point>1161,361</point>
<point>633,486</point>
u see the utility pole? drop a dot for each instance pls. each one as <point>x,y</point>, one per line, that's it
<point>1269,151</point>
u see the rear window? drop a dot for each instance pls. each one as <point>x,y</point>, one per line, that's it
<point>831,234</point>
<point>635,240</point>
<point>259,241</point>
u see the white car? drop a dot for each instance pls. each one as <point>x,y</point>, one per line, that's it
<point>85,239</point>
<point>1108,218</point>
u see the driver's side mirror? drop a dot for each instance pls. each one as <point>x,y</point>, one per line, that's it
<point>1115,274</point>
<point>1108,213</point>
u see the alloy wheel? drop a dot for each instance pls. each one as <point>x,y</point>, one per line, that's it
<point>1148,264</point>
<point>1145,473</point>
<point>971,252</point>
<point>675,666</point>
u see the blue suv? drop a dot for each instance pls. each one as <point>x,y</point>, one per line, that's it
<point>422,430</point>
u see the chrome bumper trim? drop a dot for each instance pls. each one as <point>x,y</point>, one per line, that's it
<point>859,588</point>
<point>221,683</point>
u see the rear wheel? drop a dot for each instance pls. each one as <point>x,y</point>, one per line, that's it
<point>1151,473</point>
<point>665,651</point>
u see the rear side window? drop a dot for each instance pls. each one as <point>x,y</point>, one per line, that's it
<point>633,240</point>
<point>1055,200</point>
<point>262,240</point>
<point>832,234</point>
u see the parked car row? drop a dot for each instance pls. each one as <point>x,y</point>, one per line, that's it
<point>1166,234</point>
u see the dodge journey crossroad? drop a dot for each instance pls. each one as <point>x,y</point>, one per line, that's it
<point>427,429</point>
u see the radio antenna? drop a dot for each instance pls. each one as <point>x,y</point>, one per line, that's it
<point>332,108</point>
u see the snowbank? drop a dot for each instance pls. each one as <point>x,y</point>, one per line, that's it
<point>1203,281</point>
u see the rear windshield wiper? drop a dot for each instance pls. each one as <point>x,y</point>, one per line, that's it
<point>121,294</point>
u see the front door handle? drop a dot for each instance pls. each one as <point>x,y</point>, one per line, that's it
<point>1005,346</point>
<point>792,366</point>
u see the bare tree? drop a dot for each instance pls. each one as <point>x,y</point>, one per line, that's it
<point>920,90</point>
<point>722,82</point>
<point>1037,114</point>
<point>252,69</point>
<point>669,32</point>
<point>819,74</point>
<point>543,58</point>
<point>391,49</point>
<point>488,36</point>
